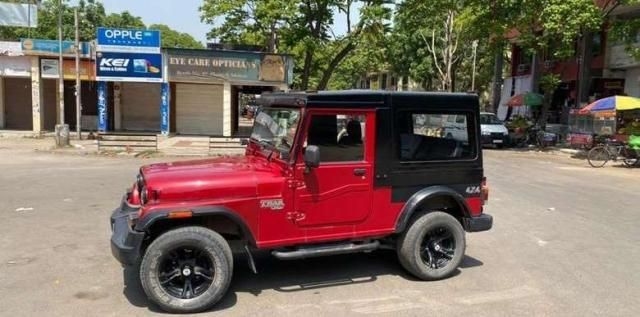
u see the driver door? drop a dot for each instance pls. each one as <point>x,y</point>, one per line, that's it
<point>333,197</point>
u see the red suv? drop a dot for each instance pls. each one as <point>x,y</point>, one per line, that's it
<point>323,173</point>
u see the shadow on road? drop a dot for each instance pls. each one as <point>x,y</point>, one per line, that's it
<point>294,276</point>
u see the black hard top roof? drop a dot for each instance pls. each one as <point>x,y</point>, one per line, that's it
<point>368,99</point>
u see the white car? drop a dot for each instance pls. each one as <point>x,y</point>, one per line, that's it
<point>493,130</point>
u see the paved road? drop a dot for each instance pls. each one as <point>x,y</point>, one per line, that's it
<point>565,243</point>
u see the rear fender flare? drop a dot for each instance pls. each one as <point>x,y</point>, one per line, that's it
<point>425,194</point>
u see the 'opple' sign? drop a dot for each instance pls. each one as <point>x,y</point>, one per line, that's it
<point>127,40</point>
<point>123,34</point>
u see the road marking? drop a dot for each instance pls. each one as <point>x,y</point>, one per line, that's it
<point>499,296</point>
<point>387,308</point>
<point>292,308</point>
<point>362,301</point>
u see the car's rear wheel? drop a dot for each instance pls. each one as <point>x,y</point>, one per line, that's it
<point>187,270</point>
<point>432,247</point>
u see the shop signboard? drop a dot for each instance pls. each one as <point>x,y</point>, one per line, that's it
<point>132,67</point>
<point>49,69</point>
<point>15,66</point>
<point>10,48</point>
<point>52,48</point>
<point>127,40</point>
<point>212,66</point>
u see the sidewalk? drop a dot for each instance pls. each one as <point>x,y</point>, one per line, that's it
<point>179,146</point>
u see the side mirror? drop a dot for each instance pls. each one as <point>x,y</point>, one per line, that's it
<point>244,141</point>
<point>312,156</point>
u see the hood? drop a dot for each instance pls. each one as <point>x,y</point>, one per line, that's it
<point>208,179</point>
<point>494,128</point>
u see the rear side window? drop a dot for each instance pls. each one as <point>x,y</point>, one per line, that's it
<point>436,136</point>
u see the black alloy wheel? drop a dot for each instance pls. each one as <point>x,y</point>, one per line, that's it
<point>438,248</point>
<point>185,272</point>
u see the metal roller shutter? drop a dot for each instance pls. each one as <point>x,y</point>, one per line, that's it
<point>199,109</point>
<point>17,104</point>
<point>140,104</point>
<point>49,104</point>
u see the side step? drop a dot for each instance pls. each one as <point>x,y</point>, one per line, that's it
<point>323,250</point>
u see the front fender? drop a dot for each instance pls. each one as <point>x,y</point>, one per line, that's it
<point>411,206</point>
<point>147,221</point>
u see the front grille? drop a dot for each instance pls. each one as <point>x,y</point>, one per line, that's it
<point>497,135</point>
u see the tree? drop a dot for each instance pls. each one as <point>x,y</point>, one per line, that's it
<point>300,27</point>
<point>173,38</point>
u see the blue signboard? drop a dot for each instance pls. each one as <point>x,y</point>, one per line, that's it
<point>139,67</point>
<point>52,48</point>
<point>128,40</point>
<point>102,107</point>
<point>164,109</point>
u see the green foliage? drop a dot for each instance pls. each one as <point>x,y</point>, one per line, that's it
<point>303,29</point>
<point>173,38</point>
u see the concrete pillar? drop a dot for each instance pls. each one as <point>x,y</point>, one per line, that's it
<point>164,109</point>
<point>103,117</point>
<point>226,109</point>
<point>1,103</point>
<point>36,96</point>
<point>117,106</point>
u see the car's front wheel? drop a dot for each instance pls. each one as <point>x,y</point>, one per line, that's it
<point>187,270</point>
<point>432,247</point>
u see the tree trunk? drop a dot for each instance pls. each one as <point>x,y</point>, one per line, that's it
<point>546,104</point>
<point>497,79</point>
<point>584,73</point>
<point>326,76</point>
<point>306,70</point>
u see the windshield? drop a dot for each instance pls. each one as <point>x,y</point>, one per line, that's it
<point>489,119</point>
<point>276,127</point>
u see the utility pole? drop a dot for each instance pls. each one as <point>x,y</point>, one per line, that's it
<point>62,130</point>
<point>78,84</point>
<point>474,45</point>
<point>60,68</point>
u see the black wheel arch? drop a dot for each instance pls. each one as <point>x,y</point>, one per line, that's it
<point>434,198</point>
<point>200,216</point>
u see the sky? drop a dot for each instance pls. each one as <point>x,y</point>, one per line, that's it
<point>183,15</point>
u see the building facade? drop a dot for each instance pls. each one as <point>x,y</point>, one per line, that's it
<point>179,91</point>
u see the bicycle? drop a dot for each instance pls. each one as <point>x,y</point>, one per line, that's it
<point>602,153</point>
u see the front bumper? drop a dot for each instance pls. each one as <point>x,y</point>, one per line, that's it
<point>483,222</point>
<point>495,139</point>
<point>125,241</point>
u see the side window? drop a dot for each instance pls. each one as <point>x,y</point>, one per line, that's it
<point>340,137</point>
<point>436,136</point>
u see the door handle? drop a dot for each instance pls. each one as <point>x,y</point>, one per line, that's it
<point>359,171</point>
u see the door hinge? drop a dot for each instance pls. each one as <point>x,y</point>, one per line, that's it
<point>292,183</point>
<point>296,216</point>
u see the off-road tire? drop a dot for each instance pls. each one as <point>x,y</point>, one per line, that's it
<point>211,244</point>
<point>409,247</point>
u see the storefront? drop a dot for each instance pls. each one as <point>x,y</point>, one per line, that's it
<point>49,90</point>
<point>131,62</point>
<point>205,85</point>
<point>15,93</point>
<point>44,96</point>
